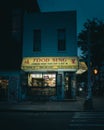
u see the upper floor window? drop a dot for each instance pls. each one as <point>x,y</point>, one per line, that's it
<point>37,40</point>
<point>61,40</point>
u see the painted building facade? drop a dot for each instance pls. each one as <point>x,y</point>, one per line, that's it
<point>50,61</point>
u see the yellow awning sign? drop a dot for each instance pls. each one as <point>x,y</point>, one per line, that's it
<point>49,63</point>
<point>82,68</point>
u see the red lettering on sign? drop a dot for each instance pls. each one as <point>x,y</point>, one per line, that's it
<point>73,61</point>
<point>41,60</point>
<point>59,60</point>
<point>26,61</point>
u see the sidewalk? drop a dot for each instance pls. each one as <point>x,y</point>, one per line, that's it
<point>98,103</point>
<point>68,105</point>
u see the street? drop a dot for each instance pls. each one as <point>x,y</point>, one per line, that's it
<point>87,121</point>
<point>35,120</point>
<point>52,120</point>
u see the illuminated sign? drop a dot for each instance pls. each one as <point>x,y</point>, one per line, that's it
<point>49,63</point>
<point>82,68</point>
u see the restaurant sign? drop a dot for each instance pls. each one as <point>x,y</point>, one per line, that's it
<point>49,63</point>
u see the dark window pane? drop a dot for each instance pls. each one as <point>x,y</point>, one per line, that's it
<point>61,40</point>
<point>37,40</point>
<point>61,45</point>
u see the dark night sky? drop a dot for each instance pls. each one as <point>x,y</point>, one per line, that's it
<point>86,9</point>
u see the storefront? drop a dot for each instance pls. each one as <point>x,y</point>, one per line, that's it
<point>49,77</point>
<point>4,88</point>
<point>10,86</point>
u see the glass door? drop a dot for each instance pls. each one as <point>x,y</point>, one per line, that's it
<point>67,88</point>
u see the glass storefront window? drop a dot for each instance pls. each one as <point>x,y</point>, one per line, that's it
<point>49,80</point>
<point>42,80</point>
<point>42,84</point>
